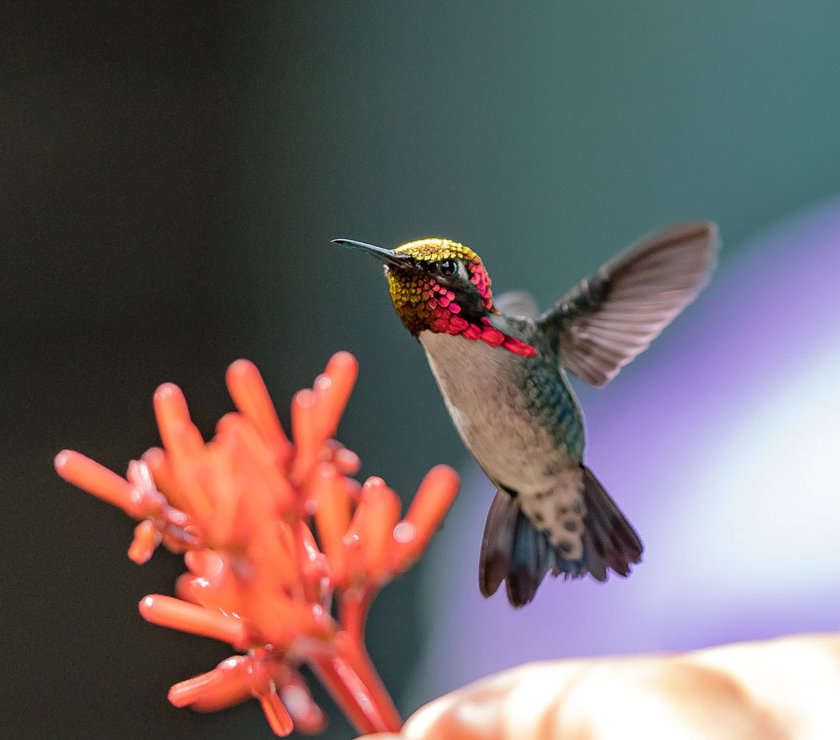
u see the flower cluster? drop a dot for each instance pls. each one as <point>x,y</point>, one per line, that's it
<point>285,551</point>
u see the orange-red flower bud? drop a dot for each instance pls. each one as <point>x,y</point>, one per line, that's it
<point>242,508</point>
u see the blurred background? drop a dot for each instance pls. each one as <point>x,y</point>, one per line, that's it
<point>170,177</point>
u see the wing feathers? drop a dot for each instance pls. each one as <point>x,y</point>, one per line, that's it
<point>614,315</point>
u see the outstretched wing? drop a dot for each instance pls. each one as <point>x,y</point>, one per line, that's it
<point>612,316</point>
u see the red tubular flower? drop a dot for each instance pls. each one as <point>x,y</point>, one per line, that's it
<point>242,508</point>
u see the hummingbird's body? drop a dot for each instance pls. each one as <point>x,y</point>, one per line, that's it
<point>502,374</point>
<point>519,419</point>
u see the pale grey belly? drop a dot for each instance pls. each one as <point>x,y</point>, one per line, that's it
<point>480,387</point>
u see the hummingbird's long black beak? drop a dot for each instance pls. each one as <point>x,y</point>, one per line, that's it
<point>388,256</point>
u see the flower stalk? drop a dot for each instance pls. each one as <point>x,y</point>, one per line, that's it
<point>285,550</point>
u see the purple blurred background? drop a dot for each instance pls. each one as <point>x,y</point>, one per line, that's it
<point>721,445</point>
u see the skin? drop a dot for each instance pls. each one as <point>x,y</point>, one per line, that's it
<point>774,690</point>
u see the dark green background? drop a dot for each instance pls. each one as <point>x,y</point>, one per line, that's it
<point>171,175</point>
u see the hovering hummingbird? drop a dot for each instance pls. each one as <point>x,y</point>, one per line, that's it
<point>502,372</point>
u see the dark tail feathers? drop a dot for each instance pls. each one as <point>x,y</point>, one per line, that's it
<point>512,550</point>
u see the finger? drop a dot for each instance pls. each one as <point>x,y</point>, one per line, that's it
<point>775,689</point>
<point>511,704</point>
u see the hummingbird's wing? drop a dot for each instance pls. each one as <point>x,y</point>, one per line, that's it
<point>612,316</point>
<point>516,303</point>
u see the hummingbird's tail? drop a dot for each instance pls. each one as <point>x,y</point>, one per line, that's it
<point>514,551</point>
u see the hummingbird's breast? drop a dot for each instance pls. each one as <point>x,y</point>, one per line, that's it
<point>516,415</point>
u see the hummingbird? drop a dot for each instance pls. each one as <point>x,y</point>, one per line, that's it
<point>502,370</point>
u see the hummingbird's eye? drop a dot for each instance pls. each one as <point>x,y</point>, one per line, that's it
<point>447,267</point>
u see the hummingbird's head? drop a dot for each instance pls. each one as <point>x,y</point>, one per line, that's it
<point>441,286</point>
<point>434,283</point>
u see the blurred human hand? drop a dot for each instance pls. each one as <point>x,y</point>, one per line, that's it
<point>785,688</point>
